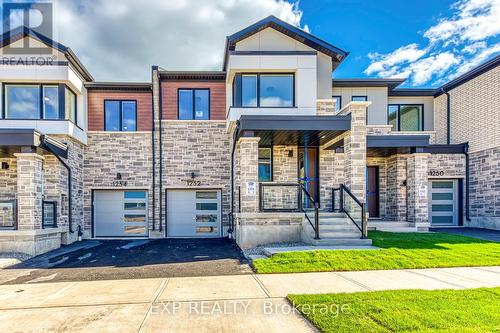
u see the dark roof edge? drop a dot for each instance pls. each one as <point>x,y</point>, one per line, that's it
<point>368,82</point>
<point>192,75</point>
<point>125,86</point>
<point>484,67</point>
<point>413,92</point>
<point>460,148</point>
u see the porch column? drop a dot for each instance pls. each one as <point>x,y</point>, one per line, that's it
<point>248,175</point>
<point>417,187</point>
<point>355,150</point>
<point>29,190</point>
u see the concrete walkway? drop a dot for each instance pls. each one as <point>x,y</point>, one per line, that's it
<point>246,303</point>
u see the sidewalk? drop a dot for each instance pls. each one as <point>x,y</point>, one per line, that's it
<point>204,304</point>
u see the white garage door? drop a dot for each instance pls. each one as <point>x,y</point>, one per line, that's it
<point>120,214</point>
<point>193,213</point>
<point>443,202</point>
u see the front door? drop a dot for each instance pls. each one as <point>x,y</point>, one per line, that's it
<point>443,202</point>
<point>308,174</point>
<point>372,191</point>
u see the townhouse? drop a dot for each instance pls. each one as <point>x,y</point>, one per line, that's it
<point>268,149</point>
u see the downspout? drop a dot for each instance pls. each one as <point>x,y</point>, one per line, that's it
<point>448,116</point>
<point>235,136</point>
<point>70,220</point>
<point>160,116</point>
<point>153,143</point>
<point>467,185</point>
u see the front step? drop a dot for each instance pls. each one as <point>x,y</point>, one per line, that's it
<point>326,241</point>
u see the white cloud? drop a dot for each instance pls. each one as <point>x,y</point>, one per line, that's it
<point>120,40</point>
<point>455,45</point>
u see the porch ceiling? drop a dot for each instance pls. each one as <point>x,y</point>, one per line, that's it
<point>387,145</point>
<point>294,130</point>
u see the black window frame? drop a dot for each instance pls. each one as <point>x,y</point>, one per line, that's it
<point>340,102</point>
<point>61,96</point>
<point>271,148</point>
<point>398,116</point>
<point>258,74</point>
<point>121,113</point>
<point>194,102</point>
<point>54,209</point>
<point>364,96</point>
<point>14,209</point>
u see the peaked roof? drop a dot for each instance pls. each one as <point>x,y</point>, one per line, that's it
<point>271,21</point>
<point>14,35</point>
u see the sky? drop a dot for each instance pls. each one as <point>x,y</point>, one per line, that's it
<point>428,42</point>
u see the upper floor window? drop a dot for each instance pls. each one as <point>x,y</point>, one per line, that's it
<point>120,115</point>
<point>406,117</point>
<point>39,101</point>
<point>359,98</point>
<point>263,90</point>
<point>338,102</point>
<point>194,104</point>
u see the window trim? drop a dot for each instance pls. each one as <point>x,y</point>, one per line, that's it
<point>398,116</point>
<point>340,101</point>
<point>258,74</point>
<point>271,164</point>
<point>54,203</point>
<point>14,204</point>
<point>194,106</point>
<point>364,96</point>
<point>40,85</point>
<point>120,101</point>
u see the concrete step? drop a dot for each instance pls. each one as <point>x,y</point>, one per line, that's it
<point>337,227</point>
<point>325,241</point>
<point>340,234</point>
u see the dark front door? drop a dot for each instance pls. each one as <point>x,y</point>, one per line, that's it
<point>308,173</point>
<point>372,191</point>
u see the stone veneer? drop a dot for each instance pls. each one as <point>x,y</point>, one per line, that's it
<point>417,189</point>
<point>109,153</point>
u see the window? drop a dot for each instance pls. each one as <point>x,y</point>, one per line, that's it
<point>194,104</point>
<point>406,117</point>
<point>39,101</point>
<point>120,115</point>
<point>50,102</point>
<point>265,164</point>
<point>264,90</point>
<point>338,102</point>
<point>359,98</point>
<point>22,102</point>
<point>49,214</point>
<point>70,105</point>
<point>8,214</point>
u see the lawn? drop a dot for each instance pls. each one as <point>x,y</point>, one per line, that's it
<point>398,250</point>
<point>472,310</point>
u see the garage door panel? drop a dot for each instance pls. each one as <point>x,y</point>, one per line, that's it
<point>120,213</point>
<point>443,202</point>
<point>193,213</point>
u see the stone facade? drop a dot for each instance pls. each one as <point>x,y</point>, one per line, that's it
<point>29,190</point>
<point>202,148</point>
<point>8,179</point>
<point>417,188</point>
<point>396,188</point>
<point>106,154</point>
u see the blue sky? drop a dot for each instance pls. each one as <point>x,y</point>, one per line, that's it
<point>383,26</point>
<point>428,42</point>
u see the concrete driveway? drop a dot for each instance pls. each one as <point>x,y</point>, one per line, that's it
<point>486,234</point>
<point>131,259</point>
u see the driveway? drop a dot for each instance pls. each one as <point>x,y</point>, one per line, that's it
<point>134,259</point>
<point>486,234</point>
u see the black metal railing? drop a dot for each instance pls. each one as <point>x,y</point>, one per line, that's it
<point>351,206</point>
<point>306,197</point>
<point>289,197</point>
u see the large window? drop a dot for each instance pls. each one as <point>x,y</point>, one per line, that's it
<point>263,90</point>
<point>39,101</point>
<point>406,117</point>
<point>120,115</point>
<point>194,104</point>
<point>265,164</point>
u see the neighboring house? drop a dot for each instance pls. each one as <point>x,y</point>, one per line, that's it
<point>269,149</point>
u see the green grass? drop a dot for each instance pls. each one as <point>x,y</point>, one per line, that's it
<point>472,310</point>
<point>398,250</point>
